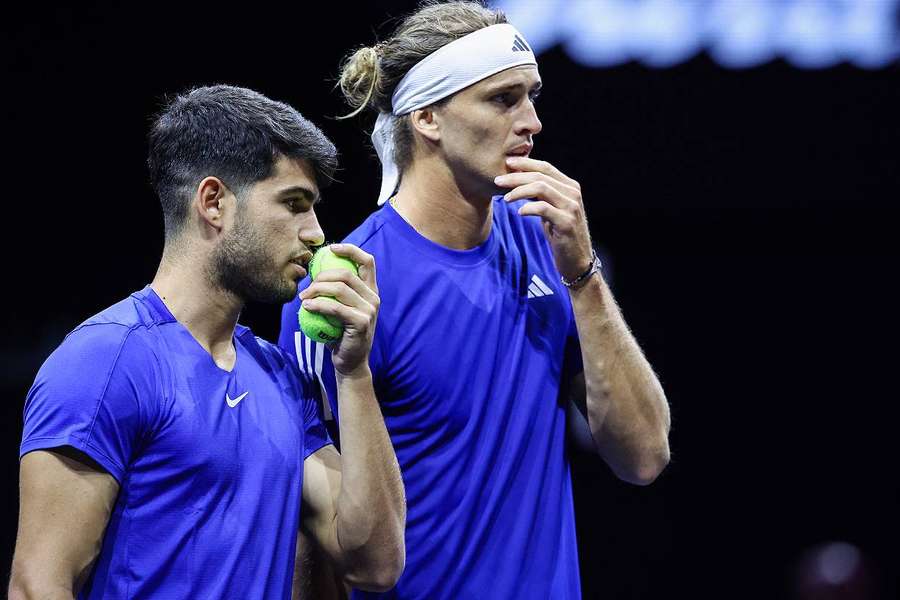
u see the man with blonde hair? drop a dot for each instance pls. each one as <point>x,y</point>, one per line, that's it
<point>494,306</point>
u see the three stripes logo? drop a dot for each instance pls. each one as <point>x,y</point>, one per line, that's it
<point>519,45</point>
<point>310,358</point>
<point>538,289</point>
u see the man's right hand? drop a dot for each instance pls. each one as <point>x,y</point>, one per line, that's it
<point>356,307</point>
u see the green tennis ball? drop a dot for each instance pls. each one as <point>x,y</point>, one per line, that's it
<point>324,259</point>
<point>318,327</point>
<point>323,328</point>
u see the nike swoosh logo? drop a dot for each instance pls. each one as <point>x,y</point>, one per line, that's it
<point>233,403</point>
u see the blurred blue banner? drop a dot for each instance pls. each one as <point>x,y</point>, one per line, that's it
<point>809,34</point>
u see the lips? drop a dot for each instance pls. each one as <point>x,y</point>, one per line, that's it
<point>299,269</point>
<point>302,260</point>
<point>520,150</point>
<point>300,263</point>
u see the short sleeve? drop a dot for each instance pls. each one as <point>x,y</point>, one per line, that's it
<point>93,394</point>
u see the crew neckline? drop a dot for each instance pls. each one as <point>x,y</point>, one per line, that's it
<point>466,258</point>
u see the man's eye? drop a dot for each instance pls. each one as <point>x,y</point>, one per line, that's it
<point>504,98</point>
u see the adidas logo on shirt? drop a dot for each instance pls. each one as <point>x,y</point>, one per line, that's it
<point>519,45</point>
<point>537,288</point>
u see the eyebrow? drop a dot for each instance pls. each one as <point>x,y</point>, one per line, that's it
<point>299,190</point>
<point>514,86</point>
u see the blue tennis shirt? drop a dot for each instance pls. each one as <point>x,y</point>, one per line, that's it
<point>209,462</point>
<point>469,353</point>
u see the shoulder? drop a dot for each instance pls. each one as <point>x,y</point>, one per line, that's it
<point>109,360</point>
<point>136,311</point>
<point>370,232</point>
<point>123,329</point>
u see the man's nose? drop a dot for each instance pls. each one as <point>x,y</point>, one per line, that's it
<point>311,232</point>
<point>529,123</point>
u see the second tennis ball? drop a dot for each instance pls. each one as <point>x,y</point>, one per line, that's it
<point>317,327</point>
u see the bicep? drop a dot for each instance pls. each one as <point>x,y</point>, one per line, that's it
<point>65,503</point>
<point>321,486</point>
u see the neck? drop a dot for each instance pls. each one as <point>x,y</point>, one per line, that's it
<point>432,200</point>
<point>208,312</point>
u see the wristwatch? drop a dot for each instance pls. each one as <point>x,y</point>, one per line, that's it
<point>579,281</point>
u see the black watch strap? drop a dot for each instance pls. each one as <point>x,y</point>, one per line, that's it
<point>579,281</point>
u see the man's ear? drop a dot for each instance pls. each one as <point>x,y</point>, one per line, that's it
<point>209,201</point>
<point>426,122</point>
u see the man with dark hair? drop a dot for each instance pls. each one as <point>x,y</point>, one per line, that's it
<point>167,451</point>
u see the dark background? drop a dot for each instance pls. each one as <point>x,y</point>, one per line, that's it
<point>749,219</point>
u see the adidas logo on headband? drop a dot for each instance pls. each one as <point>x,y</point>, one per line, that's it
<point>519,45</point>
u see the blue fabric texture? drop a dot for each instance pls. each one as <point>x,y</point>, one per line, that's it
<point>209,462</point>
<point>470,351</point>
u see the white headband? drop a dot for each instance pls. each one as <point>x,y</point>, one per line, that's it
<point>459,64</point>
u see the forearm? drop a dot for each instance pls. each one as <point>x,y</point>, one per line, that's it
<point>371,505</point>
<point>626,407</point>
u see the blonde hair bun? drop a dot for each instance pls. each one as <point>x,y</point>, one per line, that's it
<point>359,79</point>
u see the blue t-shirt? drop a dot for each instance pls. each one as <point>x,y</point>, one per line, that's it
<point>209,462</point>
<point>468,356</point>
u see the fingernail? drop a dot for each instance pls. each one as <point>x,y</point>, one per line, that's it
<point>499,178</point>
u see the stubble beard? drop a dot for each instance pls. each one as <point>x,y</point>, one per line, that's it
<point>243,266</point>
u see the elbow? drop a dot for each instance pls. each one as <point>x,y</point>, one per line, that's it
<point>18,588</point>
<point>377,564</point>
<point>391,575</point>
<point>379,581</point>
<point>375,556</point>
<point>380,575</point>
<point>647,468</point>
<point>384,576</point>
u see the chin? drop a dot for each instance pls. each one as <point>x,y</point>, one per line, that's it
<point>273,292</point>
